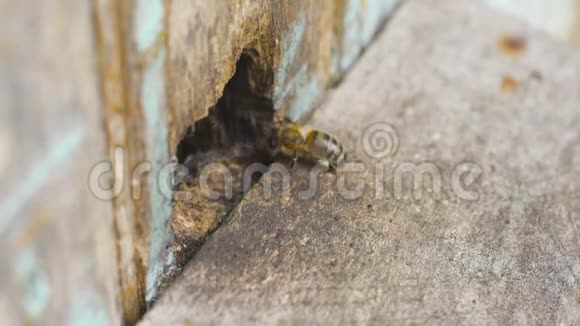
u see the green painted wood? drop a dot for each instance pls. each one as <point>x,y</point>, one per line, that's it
<point>58,244</point>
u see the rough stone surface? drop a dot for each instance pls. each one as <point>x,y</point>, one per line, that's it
<point>510,256</point>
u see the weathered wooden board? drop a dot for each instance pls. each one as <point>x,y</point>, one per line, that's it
<point>306,46</point>
<point>158,66</point>
<point>165,63</point>
<point>500,249</point>
<point>58,246</point>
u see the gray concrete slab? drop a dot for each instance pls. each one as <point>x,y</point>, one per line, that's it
<point>457,100</point>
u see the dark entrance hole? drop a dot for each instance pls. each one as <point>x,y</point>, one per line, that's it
<point>237,132</point>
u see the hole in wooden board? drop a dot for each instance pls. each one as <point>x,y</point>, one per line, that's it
<point>237,132</point>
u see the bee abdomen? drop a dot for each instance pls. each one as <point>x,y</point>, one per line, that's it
<point>328,148</point>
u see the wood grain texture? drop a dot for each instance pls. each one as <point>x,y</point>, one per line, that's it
<point>301,42</point>
<point>509,256</point>
<point>85,81</point>
<point>58,255</point>
<point>298,49</point>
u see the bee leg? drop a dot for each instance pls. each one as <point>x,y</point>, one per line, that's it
<point>333,166</point>
<point>325,164</point>
<point>294,159</point>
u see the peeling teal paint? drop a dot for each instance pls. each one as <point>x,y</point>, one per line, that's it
<point>39,175</point>
<point>305,90</point>
<point>88,310</point>
<point>362,20</point>
<point>375,13</point>
<point>291,86</point>
<point>148,22</point>
<point>309,90</point>
<point>148,27</point>
<point>350,39</point>
<point>153,99</point>
<point>290,45</point>
<point>33,278</point>
<point>335,72</point>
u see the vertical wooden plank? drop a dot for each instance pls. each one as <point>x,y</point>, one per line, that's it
<point>306,45</point>
<point>149,87</point>
<point>57,238</point>
<point>131,43</point>
<point>115,93</point>
<point>123,129</point>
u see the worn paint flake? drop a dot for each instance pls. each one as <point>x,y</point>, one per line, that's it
<point>153,99</point>
<point>361,22</point>
<point>35,282</point>
<point>305,90</point>
<point>290,45</point>
<point>149,25</point>
<point>88,310</point>
<point>148,22</point>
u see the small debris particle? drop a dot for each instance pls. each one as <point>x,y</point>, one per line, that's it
<point>537,75</point>
<point>512,45</point>
<point>271,236</point>
<point>509,84</point>
<point>578,297</point>
<point>351,244</point>
<point>280,236</point>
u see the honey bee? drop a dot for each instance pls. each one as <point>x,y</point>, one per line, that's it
<point>318,146</point>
